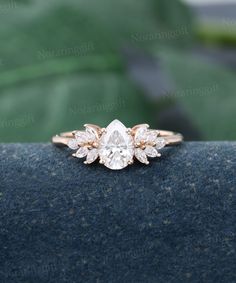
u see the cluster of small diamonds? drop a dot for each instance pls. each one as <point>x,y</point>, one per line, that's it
<point>145,143</point>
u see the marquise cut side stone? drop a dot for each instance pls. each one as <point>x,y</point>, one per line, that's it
<point>141,155</point>
<point>84,137</point>
<point>82,152</point>
<point>151,136</point>
<point>151,151</point>
<point>160,143</point>
<point>73,144</point>
<point>143,134</point>
<point>92,156</point>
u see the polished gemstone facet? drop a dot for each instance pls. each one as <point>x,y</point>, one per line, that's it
<point>116,147</point>
<point>73,144</point>
<point>84,137</point>
<point>151,151</point>
<point>143,134</point>
<point>141,155</point>
<point>82,152</point>
<point>92,156</point>
<point>160,143</point>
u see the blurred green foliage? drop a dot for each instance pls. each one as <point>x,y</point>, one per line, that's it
<point>222,33</point>
<point>61,65</point>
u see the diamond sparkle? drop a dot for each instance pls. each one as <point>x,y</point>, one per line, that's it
<point>116,146</point>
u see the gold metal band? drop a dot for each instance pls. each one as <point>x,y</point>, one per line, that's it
<point>171,138</point>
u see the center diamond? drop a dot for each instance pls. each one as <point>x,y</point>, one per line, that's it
<point>116,147</point>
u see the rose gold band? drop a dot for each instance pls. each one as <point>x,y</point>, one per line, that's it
<point>171,138</point>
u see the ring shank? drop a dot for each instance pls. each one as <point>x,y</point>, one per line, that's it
<point>171,138</point>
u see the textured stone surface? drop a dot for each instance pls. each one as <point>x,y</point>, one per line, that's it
<point>171,221</point>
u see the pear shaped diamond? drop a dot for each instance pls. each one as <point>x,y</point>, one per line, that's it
<point>116,147</point>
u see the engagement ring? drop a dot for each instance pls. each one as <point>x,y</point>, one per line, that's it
<point>116,146</point>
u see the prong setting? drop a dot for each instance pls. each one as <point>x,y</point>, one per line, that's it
<point>116,146</point>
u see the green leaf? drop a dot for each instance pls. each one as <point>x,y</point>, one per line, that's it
<point>36,111</point>
<point>207,91</point>
<point>61,64</point>
<point>54,29</point>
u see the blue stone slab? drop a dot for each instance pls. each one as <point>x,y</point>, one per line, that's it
<point>171,221</point>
